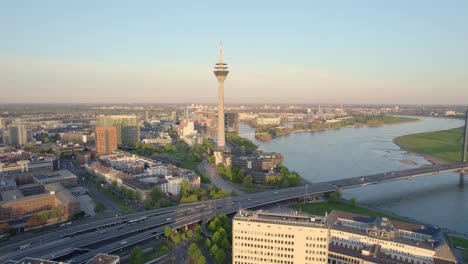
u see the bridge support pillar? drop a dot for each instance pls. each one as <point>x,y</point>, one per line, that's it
<point>465,137</point>
<point>463,159</point>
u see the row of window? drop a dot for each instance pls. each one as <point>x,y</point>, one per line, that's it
<point>263,259</point>
<point>264,240</point>
<point>259,233</point>
<point>266,247</point>
<point>316,238</point>
<point>333,257</point>
<point>316,245</point>
<point>254,252</point>
<point>266,261</point>
<point>316,252</point>
<point>315,259</point>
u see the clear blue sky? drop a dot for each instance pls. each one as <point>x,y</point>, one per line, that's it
<point>278,51</point>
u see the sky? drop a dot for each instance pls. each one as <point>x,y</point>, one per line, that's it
<point>309,52</point>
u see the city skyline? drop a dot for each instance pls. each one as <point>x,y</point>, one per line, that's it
<point>381,53</point>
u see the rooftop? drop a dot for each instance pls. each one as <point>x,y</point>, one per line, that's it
<point>281,218</point>
<point>11,195</point>
<point>104,259</point>
<point>421,236</point>
<point>61,174</point>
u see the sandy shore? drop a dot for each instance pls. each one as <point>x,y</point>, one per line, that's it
<point>433,160</point>
<point>409,162</point>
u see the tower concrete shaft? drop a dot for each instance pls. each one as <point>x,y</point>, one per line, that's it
<point>221,71</point>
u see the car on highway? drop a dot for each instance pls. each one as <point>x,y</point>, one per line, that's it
<point>123,242</point>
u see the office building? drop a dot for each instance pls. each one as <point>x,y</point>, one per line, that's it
<point>128,128</point>
<point>2,122</point>
<point>17,135</point>
<point>106,139</point>
<point>263,237</point>
<point>231,122</point>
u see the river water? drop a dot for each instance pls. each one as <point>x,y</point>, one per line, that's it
<point>351,152</point>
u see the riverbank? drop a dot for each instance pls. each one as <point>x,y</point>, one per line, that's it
<point>268,134</point>
<point>439,147</point>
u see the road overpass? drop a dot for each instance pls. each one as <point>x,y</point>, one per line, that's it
<point>110,235</point>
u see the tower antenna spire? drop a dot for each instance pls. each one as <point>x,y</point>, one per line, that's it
<point>221,52</point>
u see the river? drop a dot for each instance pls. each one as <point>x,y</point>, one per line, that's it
<point>351,152</point>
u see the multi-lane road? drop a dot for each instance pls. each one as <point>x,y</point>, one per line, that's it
<point>106,236</point>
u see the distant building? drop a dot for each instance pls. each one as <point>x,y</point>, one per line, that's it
<point>17,135</point>
<point>80,137</point>
<point>261,161</point>
<point>106,139</point>
<point>268,121</point>
<point>43,163</point>
<point>84,157</point>
<point>231,121</point>
<point>2,122</point>
<point>128,128</point>
<point>66,151</point>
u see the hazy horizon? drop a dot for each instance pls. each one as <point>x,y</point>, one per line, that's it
<point>305,52</point>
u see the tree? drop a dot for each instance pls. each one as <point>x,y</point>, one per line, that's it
<point>201,260</point>
<point>225,244</point>
<point>189,234</point>
<point>192,249</point>
<point>216,237</point>
<point>212,226</point>
<point>175,238</point>
<point>167,232</point>
<point>98,208</point>
<point>113,184</point>
<point>136,257</point>
<point>220,256</point>
<point>35,220</point>
<point>248,182</point>
<point>155,194</point>
<point>207,243</point>
<point>353,202</point>
<point>335,197</point>
<point>214,249</point>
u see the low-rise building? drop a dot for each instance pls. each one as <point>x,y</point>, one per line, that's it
<point>84,157</point>
<point>336,238</point>
<point>32,164</point>
<point>66,150</point>
<point>15,204</point>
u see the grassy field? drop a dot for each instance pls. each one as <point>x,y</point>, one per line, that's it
<point>446,144</point>
<point>188,164</point>
<point>320,208</point>
<point>388,120</point>
<point>459,242</point>
<point>160,250</point>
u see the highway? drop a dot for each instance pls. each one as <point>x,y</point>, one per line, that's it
<point>107,236</point>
